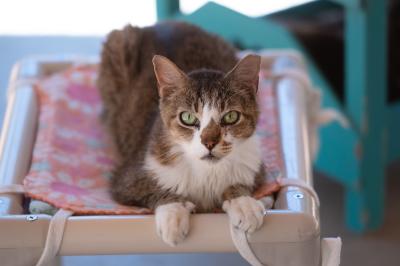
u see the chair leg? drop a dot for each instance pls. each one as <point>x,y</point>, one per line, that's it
<point>365,200</point>
<point>366,88</point>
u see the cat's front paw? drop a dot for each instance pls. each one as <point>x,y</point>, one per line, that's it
<point>172,221</point>
<point>245,213</point>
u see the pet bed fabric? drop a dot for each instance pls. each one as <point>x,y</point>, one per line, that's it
<point>72,155</point>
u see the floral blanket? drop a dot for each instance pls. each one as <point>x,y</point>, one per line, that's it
<point>72,157</point>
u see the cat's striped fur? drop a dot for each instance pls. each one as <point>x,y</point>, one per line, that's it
<point>164,164</point>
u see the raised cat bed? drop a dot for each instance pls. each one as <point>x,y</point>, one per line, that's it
<point>291,227</point>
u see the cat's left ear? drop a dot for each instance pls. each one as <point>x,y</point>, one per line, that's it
<point>169,76</point>
<point>246,72</point>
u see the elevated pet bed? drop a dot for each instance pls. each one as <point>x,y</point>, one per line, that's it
<point>53,143</point>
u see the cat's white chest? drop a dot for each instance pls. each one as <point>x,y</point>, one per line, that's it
<point>204,182</point>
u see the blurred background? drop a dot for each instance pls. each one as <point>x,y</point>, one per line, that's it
<point>78,27</point>
<point>353,47</point>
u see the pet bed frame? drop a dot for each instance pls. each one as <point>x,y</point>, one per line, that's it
<point>290,234</point>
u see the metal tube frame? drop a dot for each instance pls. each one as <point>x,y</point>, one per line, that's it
<point>291,228</point>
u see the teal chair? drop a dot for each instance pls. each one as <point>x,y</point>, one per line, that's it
<point>354,157</point>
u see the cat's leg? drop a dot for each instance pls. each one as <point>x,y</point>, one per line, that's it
<point>131,185</point>
<point>244,211</point>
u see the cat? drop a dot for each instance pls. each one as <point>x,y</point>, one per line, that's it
<point>182,112</point>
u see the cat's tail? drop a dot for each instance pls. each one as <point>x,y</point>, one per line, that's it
<point>119,63</point>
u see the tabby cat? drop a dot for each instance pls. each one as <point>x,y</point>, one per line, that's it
<point>182,114</point>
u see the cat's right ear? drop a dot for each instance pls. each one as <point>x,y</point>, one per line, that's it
<point>169,76</point>
<point>246,72</point>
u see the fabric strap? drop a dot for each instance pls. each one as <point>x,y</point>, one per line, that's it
<point>54,237</point>
<point>239,237</point>
<point>12,188</point>
<point>55,232</point>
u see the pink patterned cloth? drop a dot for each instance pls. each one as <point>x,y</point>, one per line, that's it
<point>72,156</point>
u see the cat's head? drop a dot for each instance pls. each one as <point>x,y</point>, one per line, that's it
<point>209,113</point>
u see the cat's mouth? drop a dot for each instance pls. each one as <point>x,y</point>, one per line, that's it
<point>210,157</point>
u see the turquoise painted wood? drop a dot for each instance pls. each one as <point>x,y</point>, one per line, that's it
<point>366,89</point>
<point>167,9</point>
<point>354,157</point>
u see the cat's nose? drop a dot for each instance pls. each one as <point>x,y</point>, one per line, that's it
<point>210,144</point>
<point>211,135</point>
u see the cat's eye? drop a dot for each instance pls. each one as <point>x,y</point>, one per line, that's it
<point>189,119</point>
<point>230,118</point>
